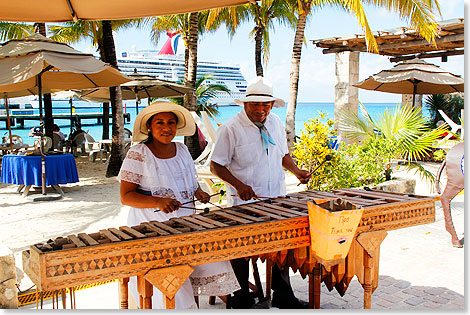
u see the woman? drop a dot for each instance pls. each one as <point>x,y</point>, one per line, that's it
<point>158,174</point>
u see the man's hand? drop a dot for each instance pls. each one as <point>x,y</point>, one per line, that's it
<point>202,196</point>
<point>303,176</point>
<point>245,192</point>
<point>167,205</point>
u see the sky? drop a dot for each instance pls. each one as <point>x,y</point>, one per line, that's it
<point>317,70</point>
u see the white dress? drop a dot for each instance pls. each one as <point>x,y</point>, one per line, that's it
<point>175,178</point>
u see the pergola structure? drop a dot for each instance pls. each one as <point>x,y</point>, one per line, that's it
<point>398,44</point>
<point>402,43</point>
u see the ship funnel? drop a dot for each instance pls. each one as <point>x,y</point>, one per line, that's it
<point>171,45</point>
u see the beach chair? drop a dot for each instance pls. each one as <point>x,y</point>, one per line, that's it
<point>80,141</point>
<point>47,144</point>
<point>453,126</point>
<point>57,142</point>
<point>15,139</point>
<point>94,148</point>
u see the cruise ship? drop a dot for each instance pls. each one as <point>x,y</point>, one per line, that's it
<point>168,64</point>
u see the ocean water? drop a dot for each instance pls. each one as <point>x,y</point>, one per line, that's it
<point>304,112</point>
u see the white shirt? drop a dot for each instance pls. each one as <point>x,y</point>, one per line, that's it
<point>239,148</point>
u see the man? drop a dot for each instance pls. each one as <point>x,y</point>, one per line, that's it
<point>71,142</point>
<point>250,154</point>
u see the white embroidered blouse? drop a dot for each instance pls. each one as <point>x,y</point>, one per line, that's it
<point>175,178</point>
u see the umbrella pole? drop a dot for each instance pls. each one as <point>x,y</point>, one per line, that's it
<point>71,117</point>
<point>8,123</point>
<point>137,101</point>
<point>41,142</point>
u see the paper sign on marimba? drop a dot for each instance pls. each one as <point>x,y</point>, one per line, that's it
<point>332,225</point>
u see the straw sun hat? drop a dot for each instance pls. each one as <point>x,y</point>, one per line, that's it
<point>260,90</point>
<point>186,125</point>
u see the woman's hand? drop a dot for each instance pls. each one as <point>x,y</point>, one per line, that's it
<point>167,205</point>
<point>202,196</point>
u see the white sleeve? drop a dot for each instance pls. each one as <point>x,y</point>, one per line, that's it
<point>284,148</point>
<point>223,150</point>
<point>133,166</point>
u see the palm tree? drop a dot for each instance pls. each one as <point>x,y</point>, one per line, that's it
<point>189,25</point>
<point>419,14</point>
<point>101,33</point>
<point>263,13</point>
<point>204,94</point>
<point>405,126</point>
<point>10,30</point>
<point>450,104</point>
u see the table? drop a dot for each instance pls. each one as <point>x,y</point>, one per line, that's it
<point>106,143</point>
<point>4,147</point>
<point>25,170</point>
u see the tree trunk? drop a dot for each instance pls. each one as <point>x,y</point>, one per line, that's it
<point>105,104</point>
<point>105,121</point>
<point>190,100</point>
<point>294,80</point>
<point>258,50</point>
<point>48,119</point>
<point>117,151</point>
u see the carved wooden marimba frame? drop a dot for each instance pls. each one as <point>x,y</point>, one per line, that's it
<point>162,254</point>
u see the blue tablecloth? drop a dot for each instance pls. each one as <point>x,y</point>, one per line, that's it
<point>26,169</point>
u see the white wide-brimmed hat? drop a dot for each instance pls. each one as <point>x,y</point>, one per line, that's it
<point>260,90</point>
<point>186,125</point>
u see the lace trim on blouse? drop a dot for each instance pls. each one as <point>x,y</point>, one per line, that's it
<point>219,284</point>
<point>131,177</point>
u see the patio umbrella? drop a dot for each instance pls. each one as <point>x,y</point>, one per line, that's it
<point>142,86</point>
<point>414,77</point>
<point>73,10</point>
<point>37,65</point>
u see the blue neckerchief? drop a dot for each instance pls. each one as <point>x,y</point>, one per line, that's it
<point>265,137</point>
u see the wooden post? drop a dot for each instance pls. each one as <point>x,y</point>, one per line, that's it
<point>145,289</point>
<point>316,285</point>
<point>269,275</point>
<point>370,242</point>
<point>368,263</point>
<point>124,293</point>
<point>64,298</point>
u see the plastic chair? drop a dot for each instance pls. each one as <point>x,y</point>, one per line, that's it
<point>47,143</point>
<point>57,142</point>
<point>94,148</point>
<point>15,139</point>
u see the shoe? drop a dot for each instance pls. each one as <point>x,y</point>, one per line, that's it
<point>264,303</point>
<point>242,302</point>
<point>288,303</point>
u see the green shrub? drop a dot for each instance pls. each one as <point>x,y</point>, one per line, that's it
<point>351,165</point>
<point>311,147</point>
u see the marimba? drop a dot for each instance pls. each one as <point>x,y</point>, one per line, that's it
<point>277,230</point>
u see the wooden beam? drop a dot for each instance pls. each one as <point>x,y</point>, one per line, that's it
<point>456,52</point>
<point>361,47</point>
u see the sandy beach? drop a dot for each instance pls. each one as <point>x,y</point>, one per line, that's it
<point>422,256</point>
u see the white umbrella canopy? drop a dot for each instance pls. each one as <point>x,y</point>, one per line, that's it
<point>37,65</point>
<point>139,88</point>
<point>60,67</point>
<point>414,77</point>
<point>73,10</point>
